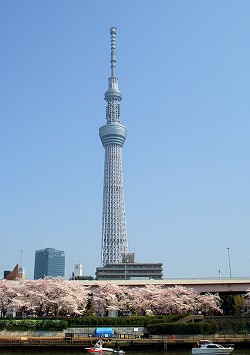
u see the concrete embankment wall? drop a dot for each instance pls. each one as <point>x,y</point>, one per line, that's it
<point>120,332</point>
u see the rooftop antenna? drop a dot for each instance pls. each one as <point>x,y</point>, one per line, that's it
<point>113,54</point>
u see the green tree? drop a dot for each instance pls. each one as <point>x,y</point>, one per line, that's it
<point>232,305</point>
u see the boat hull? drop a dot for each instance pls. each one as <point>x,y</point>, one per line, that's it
<point>212,351</point>
<point>93,350</point>
<point>99,350</point>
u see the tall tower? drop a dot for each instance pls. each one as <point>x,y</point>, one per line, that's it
<point>113,135</point>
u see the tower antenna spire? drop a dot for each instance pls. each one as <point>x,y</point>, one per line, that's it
<point>113,52</point>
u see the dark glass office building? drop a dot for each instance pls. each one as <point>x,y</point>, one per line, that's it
<point>49,262</point>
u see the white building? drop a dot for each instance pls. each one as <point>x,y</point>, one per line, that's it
<point>78,270</point>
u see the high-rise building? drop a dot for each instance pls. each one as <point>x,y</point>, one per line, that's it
<point>113,135</point>
<point>49,262</point>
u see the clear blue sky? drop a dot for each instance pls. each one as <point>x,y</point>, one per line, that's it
<point>184,73</point>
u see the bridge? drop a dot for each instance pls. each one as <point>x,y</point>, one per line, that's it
<point>213,285</point>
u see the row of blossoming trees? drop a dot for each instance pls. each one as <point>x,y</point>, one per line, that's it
<point>60,297</point>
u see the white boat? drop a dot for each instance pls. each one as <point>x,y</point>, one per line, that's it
<point>206,347</point>
<point>98,348</point>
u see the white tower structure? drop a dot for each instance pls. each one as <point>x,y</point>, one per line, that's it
<point>113,135</point>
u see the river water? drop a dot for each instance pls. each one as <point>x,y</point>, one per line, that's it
<point>83,352</point>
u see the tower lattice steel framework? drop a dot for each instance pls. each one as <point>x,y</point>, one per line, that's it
<point>113,135</point>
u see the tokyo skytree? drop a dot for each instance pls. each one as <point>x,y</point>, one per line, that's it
<point>113,135</point>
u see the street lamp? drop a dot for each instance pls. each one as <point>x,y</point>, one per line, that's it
<point>229,263</point>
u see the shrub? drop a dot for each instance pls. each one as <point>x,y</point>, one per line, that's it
<point>32,324</point>
<point>182,328</point>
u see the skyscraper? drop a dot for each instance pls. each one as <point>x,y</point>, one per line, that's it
<point>113,135</point>
<point>49,262</point>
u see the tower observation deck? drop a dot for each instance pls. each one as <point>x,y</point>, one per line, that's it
<point>113,135</point>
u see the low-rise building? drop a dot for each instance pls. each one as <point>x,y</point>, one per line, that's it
<point>130,271</point>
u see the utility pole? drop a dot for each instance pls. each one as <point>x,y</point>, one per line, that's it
<point>229,262</point>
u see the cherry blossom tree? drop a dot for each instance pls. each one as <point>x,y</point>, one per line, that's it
<point>9,292</point>
<point>60,297</point>
<point>210,303</point>
<point>170,300</point>
<point>107,297</point>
